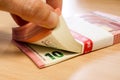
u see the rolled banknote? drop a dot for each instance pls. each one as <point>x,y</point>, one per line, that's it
<point>92,31</point>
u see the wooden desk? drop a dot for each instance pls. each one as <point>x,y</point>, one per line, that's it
<point>102,64</point>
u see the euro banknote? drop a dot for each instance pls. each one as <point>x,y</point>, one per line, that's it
<point>91,31</point>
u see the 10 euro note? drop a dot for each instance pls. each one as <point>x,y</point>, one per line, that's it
<point>75,36</point>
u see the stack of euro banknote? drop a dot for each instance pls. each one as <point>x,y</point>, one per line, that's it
<point>73,36</point>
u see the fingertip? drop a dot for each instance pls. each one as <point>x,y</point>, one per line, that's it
<point>51,21</point>
<point>58,11</point>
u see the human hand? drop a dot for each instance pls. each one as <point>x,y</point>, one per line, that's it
<point>36,11</point>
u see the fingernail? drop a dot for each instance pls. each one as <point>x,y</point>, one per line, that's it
<point>58,11</point>
<point>51,21</point>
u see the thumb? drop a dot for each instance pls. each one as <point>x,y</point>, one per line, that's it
<point>35,11</point>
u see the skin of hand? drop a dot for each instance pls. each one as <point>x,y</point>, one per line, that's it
<point>36,11</point>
